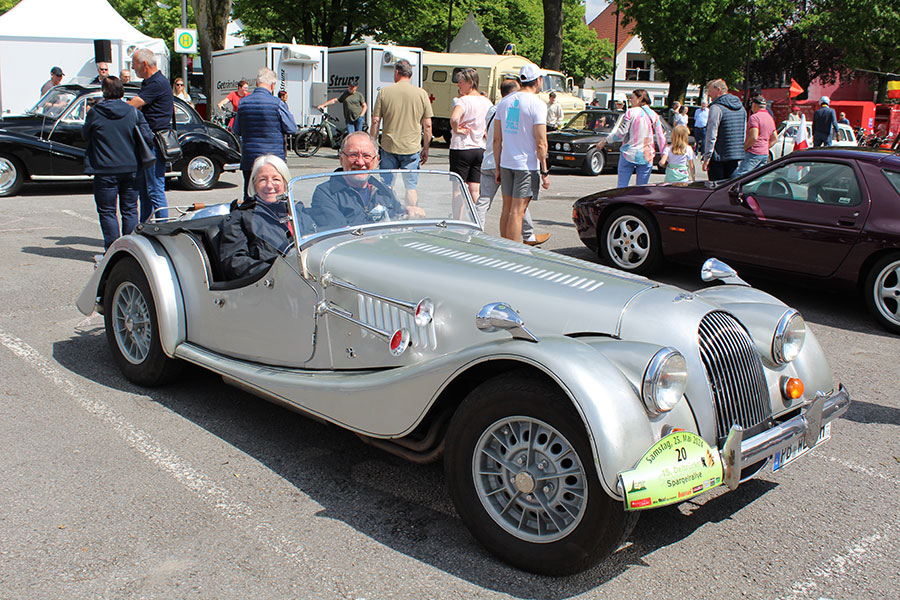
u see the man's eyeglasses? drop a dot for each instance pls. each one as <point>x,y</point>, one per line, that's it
<point>103,70</point>
<point>362,155</point>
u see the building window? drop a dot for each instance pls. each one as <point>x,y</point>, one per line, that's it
<point>637,67</point>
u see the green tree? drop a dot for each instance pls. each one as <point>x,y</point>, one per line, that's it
<point>156,20</point>
<point>866,31</point>
<point>697,40</point>
<point>553,34</point>
<point>5,5</point>
<point>212,22</point>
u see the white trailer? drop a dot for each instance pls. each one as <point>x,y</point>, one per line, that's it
<point>371,67</point>
<point>300,71</point>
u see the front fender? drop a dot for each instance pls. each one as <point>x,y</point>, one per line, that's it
<point>161,276</point>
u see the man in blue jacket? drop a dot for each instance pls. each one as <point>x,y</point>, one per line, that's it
<point>261,122</point>
<point>723,147</point>
<point>824,123</point>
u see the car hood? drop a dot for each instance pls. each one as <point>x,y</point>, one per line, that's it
<point>23,124</point>
<point>462,270</point>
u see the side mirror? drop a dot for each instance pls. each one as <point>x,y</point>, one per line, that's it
<point>499,316</point>
<point>734,192</point>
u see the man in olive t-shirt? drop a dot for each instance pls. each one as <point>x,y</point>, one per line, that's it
<point>403,111</point>
<point>354,107</point>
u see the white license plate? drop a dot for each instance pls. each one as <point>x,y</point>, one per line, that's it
<point>798,449</point>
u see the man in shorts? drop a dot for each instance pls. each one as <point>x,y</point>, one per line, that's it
<point>520,144</point>
<point>489,183</point>
<point>403,111</point>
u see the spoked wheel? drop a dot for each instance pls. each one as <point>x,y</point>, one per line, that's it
<point>522,478</point>
<point>882,289</point>
<point>630,241</point>
<point>132,330</point>
<point>307,143</point>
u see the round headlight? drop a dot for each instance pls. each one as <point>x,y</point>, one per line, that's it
<point>664,381</point>
<point>567,147</point>
<point>557,146</point>
<point>789,336</point>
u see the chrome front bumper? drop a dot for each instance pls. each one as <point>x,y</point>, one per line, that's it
<point>231,166</point>
<point>738,453</point>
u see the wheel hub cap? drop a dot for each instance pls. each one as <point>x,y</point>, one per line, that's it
<point>530,479</point>
<point>131,322</point>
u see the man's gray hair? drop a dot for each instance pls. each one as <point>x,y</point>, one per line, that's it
<point>719,84</point>
<point>144,55</point>
<point>346,140</point>
<point>265,77</point>
<point>259,163</point>
<point>403,68</point>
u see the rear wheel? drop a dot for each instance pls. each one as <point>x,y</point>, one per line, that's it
<point>12,175</point>
<point>594,162</point>
<point>521,474</point>
<point>307,143</point>
<point>629,240</point>
<point>132,330</point>
<point>200,173</point>
<point>882,290</point>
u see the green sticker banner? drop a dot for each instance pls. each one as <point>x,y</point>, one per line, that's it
<point>677,467</point>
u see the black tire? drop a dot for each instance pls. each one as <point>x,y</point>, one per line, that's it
<point>132,330</point>
<point>307,143</point>
<point>629,240</point>
<point>594,162</point>
<point>12,175</point>
<point>882,292</point>
<point>200,172</point>
<point>578,531</point>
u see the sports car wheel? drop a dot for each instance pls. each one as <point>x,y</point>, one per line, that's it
<point>629,240</point>
<point>522,478</point>
<point>200,173</point>
<point>594,162</point>
<point>12,176</point>
<point>307,143</point>
<point>882,289</point>
<point>132,331</point>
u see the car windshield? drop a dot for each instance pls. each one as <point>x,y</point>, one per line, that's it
<point>53,103</point>
<point>554,83</point>
<point>345,200</point>
<point>591,120</point>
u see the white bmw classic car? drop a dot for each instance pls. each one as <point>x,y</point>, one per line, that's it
<point>564,397</point>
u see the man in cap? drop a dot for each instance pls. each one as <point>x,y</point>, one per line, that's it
<point>520,148</point>
<point>824,123</point>
<point>56,75</point>
<point>760,136</point>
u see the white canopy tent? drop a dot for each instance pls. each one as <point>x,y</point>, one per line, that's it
<point>36,35</point>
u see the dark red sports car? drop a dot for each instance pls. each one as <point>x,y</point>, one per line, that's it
<point>829,214</point>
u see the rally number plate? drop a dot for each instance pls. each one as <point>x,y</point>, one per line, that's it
<point>798,449</point>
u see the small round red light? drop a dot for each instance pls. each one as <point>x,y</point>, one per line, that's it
<point>396,339</point>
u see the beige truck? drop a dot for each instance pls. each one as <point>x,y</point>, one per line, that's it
<point>440,71</point>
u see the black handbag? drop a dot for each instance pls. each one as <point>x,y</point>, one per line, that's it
<point>167,142</point>
<point>144,154</point>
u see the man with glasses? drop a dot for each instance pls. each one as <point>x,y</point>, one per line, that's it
<point>102,72</point>
<point>358,198</point>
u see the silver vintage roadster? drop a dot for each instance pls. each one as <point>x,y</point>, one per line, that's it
<point>564,397</point>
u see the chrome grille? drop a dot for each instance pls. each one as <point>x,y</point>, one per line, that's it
<point>735,373</point>
<point>390,318</point>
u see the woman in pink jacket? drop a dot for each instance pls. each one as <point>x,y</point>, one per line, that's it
<point>636,132</point>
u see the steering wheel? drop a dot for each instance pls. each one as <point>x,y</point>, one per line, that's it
<point>783,184</point>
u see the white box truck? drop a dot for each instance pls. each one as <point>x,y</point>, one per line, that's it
<point>371,66</point>
<point>300,71</point>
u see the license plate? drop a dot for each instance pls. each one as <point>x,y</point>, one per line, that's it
<point>798,449</point>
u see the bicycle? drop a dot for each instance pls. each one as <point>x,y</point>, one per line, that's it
<point>308,141</point>
<point>222,117</point>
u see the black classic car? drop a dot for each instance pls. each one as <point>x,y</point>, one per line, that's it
<point>573,145</point>
<point>45,144</point>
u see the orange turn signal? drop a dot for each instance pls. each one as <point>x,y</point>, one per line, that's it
<point>791,388</point>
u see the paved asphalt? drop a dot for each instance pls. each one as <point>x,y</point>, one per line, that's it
<point>199,490</point>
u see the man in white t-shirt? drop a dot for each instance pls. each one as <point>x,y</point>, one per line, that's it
<point>489,185</point>
<point>520,147</point>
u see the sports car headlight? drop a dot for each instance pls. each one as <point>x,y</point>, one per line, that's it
<point>557,146</point>
<point>567,147</point>
<point>664,381</point>
<point>789,336</point>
